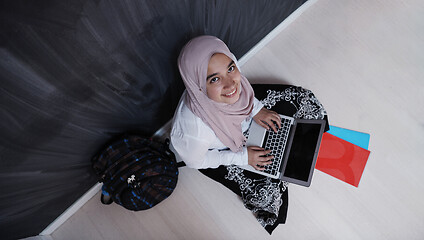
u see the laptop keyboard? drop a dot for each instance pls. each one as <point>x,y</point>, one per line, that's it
<point>276,142</point>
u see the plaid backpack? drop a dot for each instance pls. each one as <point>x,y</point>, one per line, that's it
<point>137,173</point>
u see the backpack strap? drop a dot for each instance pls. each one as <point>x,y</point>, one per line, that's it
<point>181,164</point>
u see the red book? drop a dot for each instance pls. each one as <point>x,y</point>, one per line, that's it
<point>341,159</point>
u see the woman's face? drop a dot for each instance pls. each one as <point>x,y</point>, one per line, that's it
<point>223,79</point>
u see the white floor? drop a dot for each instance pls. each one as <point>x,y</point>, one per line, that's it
<point>365,61</point>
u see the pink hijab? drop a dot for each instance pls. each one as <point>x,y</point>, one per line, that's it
<point>224,119</point>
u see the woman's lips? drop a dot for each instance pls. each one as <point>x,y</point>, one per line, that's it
<point>231,94</point>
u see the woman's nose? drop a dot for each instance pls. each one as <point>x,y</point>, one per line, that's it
<point>228,82</point>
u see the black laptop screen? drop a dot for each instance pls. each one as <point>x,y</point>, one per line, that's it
<point>302,152</point>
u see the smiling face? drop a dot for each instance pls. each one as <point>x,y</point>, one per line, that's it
<point>223,79</point>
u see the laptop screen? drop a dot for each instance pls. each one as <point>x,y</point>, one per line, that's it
<point>302,151</point>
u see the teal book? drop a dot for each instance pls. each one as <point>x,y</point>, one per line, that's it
<point>358,138</point>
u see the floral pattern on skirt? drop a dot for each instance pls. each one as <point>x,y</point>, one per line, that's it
<point>265,197</point>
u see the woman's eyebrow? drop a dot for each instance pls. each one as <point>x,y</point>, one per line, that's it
<point>213,74</point>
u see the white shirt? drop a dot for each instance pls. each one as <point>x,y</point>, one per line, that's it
<point>196,144</point>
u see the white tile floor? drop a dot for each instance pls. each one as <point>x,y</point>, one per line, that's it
<point>364,60</point>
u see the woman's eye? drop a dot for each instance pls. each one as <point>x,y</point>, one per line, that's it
<point>232,68</point>
<point>213,80</point>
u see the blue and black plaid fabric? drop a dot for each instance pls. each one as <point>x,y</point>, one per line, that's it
<point>137,172</point>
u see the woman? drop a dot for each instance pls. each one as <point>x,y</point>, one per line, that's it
<point>212,120</point>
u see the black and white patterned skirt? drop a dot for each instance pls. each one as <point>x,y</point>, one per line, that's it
<point>265,197</point>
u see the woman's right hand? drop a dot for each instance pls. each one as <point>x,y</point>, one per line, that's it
<point>257,157</point>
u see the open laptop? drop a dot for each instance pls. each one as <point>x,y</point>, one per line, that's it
<point>295,148</point>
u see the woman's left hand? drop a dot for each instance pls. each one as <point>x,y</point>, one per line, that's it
<point>267,118</point>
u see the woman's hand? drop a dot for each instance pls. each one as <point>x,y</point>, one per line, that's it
<point>257,158</point>
<point>266,118</point>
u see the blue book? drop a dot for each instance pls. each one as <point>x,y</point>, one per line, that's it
<point>358,138</point>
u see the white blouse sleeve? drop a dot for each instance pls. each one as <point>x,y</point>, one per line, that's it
<point>197,152</point>
<point>196,144</point>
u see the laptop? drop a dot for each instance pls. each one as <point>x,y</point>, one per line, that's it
<point>295,148</point>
